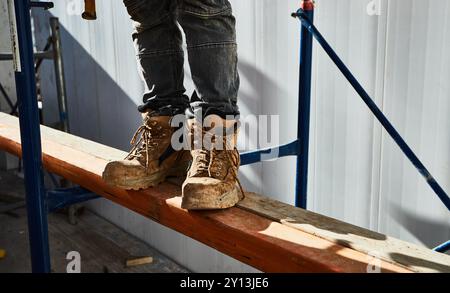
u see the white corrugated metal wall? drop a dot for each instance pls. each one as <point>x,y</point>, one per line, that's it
<point>360,175</point>
<point>356,172</point>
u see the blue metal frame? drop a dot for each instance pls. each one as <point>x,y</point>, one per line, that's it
<point>38,201</point>
<point>299,147</point>
<point>31,140</point>
<point>290,149</point>
<point>42,4</point>
<point>307,23</point>
<point>304,109</point>
<point>63,197</point>
<point>444,247</point>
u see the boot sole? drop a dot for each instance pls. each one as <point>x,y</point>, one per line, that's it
<point>152,180</point>
<point>205,202</point>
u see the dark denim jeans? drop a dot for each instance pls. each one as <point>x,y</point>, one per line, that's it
<point>209,27</point>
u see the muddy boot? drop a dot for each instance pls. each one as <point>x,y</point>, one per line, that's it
<point>212,181</point>
<point>151,158</point>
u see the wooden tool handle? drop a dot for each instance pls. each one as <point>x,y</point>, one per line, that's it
<point>89,10</point>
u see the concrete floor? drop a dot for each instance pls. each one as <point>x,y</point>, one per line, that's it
<point>103,247</point>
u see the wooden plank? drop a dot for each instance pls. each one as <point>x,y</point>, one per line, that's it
<point>416,258</point>
<point>139,261</point>
<point>262,241</point>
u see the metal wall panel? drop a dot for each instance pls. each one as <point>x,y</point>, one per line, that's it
<point>344,140</point>
<point>417,99</point>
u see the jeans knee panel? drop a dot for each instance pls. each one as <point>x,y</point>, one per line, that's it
<point>206,8</point>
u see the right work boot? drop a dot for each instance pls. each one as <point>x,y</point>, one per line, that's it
<point>151,159</point>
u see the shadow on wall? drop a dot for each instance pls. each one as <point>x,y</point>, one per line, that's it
<point>258,90</point>
<point>423,229</point>
<point>99,109</point>
<point>267,93</point>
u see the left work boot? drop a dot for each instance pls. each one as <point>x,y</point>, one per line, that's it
<point>151,158</point>
<point>212,181</point>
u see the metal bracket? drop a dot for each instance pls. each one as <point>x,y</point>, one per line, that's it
<point>290,149</point>
<point>443,248</point>
<point>39,4</point>
<point>64,197</point>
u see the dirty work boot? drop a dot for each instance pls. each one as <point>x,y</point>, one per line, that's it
<point>212,181</point>
<point>151,158</point>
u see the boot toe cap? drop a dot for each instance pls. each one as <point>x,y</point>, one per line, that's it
<point>125,169</point>
<point>205,186</point>
<point>208,193</point>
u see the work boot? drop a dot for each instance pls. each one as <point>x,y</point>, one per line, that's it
<point>212,181</point>
<point>151,158</point>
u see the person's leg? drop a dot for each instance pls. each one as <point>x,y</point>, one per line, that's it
<point>158,40</point>
<point>212,181</point>
<point>158,45</point>
<point>209,26</point>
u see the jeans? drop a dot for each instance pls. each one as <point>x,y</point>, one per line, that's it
<point>209,26</point>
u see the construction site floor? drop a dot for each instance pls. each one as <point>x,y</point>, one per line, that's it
<point>102,246</point>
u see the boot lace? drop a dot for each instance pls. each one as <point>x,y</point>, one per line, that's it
<point>205,159</point>
<point>144,141</point>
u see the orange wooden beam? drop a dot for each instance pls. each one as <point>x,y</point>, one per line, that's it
<point>253,239</point>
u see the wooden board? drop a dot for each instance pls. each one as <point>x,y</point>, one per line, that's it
<point>251,233</point>
<point>416,258</point>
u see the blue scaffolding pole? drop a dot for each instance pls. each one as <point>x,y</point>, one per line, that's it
<point>444,247</point>
<point>39,202</point>
<point>30,134</point>
<point>300,147</point>
<point>307,25</point>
